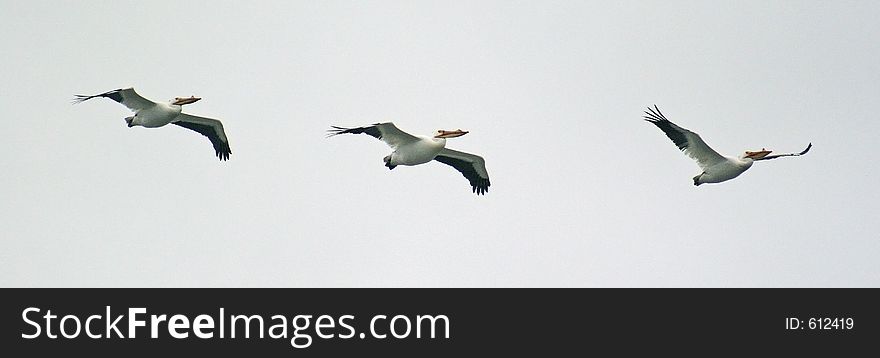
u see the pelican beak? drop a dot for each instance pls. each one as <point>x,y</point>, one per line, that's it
<point>758,155</point>
<point>185,100</point>
<point>450,134</point>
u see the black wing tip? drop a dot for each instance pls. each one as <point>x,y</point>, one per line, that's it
<point>335,130</point>
<point>114,95</point>
<point>223,150</point>
<point>654,115</point>
<point>371,131</point>
<point>80,98</point>
<point>224,155</point>
<point>481,187</point>
<point>810,145</point>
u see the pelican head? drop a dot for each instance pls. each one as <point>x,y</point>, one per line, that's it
<point>185,100</point>
<point>757,155</point>
<point>450,134</point>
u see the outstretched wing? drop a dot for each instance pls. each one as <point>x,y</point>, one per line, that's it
<point>128,97</point>
<point>211,128</point>
<point>386,132</point>
<point>473,167</point>
<point>689,142</point>
<point>788,154</point>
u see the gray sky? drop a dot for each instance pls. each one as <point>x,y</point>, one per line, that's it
<point>584,193</point>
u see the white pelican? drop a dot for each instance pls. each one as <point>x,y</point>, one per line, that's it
<point>716,168</point>
<point>415,150</point>
<point>150,114</point>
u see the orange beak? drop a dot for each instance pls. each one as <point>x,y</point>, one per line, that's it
<point>450,134</point>
<point>759,154</point>
<point>185,100</point>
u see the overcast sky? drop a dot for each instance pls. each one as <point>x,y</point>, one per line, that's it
<point>584,193</point>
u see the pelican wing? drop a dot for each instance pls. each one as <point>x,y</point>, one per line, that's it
<point>210,128</point>
<point>788,154</point>
<point>128,97</point>
<point>689,142</point>
<point>386,132</point>
<point>473,167</point>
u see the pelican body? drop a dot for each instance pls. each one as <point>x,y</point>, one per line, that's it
<point>716,168</point>
<point>414,150</point>
<point>155,116</point>
<point>724,170</point>
<point>151,114</point>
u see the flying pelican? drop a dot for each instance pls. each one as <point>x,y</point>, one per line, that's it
<point>415,150</point>
<point>150,114</point>
<point>716,168</point>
